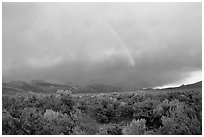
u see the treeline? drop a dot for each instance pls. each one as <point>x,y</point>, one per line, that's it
<point>61,113</point>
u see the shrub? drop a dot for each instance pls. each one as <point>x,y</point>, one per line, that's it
<point>180,120</point>
<point>110,129</point>
<point>57,123</point>
<point>135,128</point>
<point>8,125</point>
<point>31,121</point>
<point>89,125</point>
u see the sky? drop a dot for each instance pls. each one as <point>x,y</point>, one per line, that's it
<point>123,44</point>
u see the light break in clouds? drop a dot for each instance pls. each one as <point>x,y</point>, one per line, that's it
<point>123,44</point>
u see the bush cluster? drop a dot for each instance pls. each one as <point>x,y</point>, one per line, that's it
<point>61,113</point>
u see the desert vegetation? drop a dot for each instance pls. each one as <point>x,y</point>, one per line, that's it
<point>139,113</point>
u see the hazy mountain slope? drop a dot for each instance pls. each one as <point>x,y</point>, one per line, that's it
<point>39,86</point>
<point>102,88</point>
<point>197,85</point>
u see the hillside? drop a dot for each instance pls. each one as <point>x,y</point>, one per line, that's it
<point>38,86</point>
<point>192,86</point>
<point>197,85</point>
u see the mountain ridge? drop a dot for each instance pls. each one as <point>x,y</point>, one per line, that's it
<point>39,86</point>
<point>188,86</point>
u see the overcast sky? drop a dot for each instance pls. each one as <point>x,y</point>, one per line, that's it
<point>123,44</point>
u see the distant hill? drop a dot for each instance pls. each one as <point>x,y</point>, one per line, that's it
<point>17,83</point>
<point>102,88</point>
<point>195,85</point>
<point>39,86</point>
<point>20,86</point>
<point>189,86</point>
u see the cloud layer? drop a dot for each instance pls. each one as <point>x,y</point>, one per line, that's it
<point>126,44</point>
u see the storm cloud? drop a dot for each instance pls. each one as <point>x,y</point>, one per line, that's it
<point>123,44</point>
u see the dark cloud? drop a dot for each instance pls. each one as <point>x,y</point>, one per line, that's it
<point>125,44</point>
